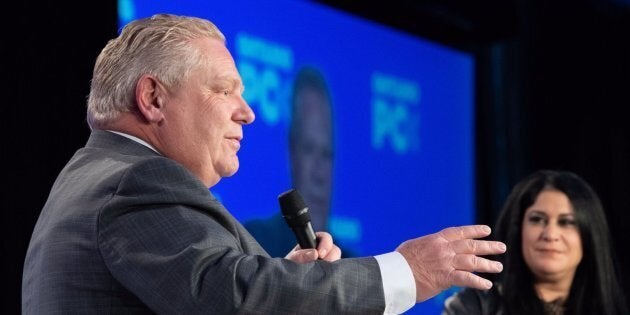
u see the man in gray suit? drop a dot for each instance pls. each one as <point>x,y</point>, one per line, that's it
<point>130,226</point>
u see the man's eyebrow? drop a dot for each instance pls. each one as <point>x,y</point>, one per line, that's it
<point>226,78</point>
<point>234,83</point>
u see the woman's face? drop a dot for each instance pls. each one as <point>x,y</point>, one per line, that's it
<point>552,247</point>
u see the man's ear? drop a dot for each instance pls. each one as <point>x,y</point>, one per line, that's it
<point>150,95</point>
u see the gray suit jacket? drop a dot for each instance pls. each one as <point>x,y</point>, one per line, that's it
<point>126,230</point>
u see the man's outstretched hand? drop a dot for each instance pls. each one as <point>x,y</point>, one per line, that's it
<point>450,258</point>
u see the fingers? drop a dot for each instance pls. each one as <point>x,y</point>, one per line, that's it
<point>476,264</point>
<point>451,257</point>
<point>324,243</point>
<point>467,279</point>
<point>308,255</point>
<point>302,255</point>
<point>332,255</point>
<point>476,247</point>
<point>464,232</point>
<point>326,250</point>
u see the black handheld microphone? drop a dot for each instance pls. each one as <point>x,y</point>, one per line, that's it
<point>295,212</point>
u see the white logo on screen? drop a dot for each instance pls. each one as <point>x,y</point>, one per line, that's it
<point>395,113</point>
<point>264,67</point>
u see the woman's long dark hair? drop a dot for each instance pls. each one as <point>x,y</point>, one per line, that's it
<point>595,288</point>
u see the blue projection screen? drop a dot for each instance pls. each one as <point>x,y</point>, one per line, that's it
<point>403,117</point>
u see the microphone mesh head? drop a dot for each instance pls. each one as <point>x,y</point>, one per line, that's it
<point>291,202</point>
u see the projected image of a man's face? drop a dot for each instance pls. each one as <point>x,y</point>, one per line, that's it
<point>312,152</point>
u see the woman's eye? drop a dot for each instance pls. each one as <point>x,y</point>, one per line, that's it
<point>535,219</point>
<point>566,222</point>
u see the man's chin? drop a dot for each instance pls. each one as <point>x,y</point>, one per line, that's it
<point>231,170</point>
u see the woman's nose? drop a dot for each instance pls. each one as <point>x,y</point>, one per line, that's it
<point>550,232</point>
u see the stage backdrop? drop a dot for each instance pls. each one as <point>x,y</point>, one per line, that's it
<point>403,119</point>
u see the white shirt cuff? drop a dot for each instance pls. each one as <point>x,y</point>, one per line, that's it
<point>399,285</point>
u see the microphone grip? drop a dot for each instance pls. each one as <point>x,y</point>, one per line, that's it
<point>305,236</point>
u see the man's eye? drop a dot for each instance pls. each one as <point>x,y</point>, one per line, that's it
<point>226,92</point>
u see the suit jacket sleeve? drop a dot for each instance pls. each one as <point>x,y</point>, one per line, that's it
<point>167,240</point>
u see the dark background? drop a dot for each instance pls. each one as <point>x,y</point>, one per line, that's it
<point>553,78</point>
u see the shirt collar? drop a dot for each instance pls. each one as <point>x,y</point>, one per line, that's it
<point>136,139</point>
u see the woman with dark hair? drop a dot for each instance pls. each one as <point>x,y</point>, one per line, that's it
<point>559,258</point>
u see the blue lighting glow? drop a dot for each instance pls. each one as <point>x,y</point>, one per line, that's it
<point>403,110</point>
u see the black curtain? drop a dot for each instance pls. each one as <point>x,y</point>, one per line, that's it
<point>553,95</point>
<point>47,54</point>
